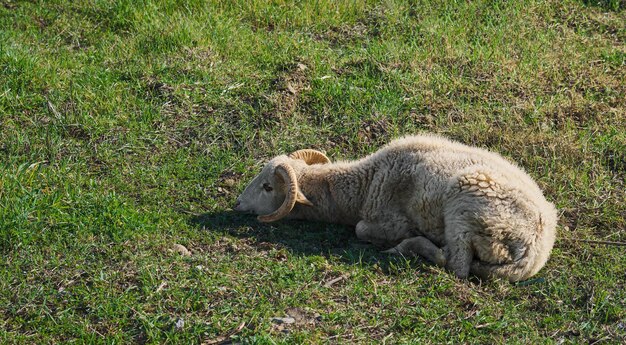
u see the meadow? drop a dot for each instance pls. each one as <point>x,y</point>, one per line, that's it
<point>127,127</point>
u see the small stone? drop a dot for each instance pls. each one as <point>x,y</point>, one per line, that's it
<point>283,320</point>
<point>180,324</point>
<point>180,249</point>
<point>229,182</point>
<point>302,67</point>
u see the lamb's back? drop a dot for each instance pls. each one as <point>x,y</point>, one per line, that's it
<point>443,159</point>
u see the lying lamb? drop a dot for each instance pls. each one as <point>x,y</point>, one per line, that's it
<point>460,207</point>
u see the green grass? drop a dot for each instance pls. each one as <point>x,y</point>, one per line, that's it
<point>127,127</point>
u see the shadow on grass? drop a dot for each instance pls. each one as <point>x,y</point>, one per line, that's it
<point>607,5</point>
<point>303,238</point>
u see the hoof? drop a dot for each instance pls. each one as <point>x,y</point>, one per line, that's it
<point>440,258</point>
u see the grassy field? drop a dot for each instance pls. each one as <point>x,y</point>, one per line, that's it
<point>129,126</point>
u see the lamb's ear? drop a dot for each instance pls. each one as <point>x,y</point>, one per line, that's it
<point>301,199</point>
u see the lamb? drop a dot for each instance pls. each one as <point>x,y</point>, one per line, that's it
<point>463,208</point>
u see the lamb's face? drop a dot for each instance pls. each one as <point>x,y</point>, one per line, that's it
<point>264,194</point>
<point>275,191</point>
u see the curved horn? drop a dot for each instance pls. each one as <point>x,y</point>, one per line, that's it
<point>310,156</point>
<point>291,184</point>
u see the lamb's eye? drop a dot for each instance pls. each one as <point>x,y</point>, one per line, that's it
<point>267,187</point>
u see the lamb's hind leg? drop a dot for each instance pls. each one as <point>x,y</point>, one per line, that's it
<point>420,245</point>
<point>459,250</point>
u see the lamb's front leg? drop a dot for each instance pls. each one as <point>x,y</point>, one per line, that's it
<point>420,245</point>
<point>397,234</point>
<point>383,233</point>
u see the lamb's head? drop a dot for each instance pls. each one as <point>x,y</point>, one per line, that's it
<point>274,192</point>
